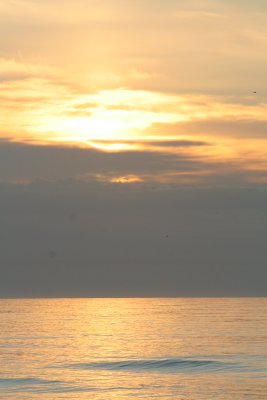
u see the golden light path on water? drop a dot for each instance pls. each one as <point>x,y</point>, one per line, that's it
<point>126,348</point>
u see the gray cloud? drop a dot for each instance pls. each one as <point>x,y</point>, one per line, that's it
<point>179,143</point>
<point>157,143</point>
<point>25,162</point>
<point>70,238</point>
<point>63,236</point>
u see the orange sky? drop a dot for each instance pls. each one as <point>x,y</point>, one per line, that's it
<point>172,77</point>
<point>133,148</point>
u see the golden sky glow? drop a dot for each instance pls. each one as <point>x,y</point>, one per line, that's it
<point>137,76</point>
<point>133,148</point>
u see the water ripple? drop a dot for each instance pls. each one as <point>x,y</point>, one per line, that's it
<point>37,385</point>
<point>167,365</point>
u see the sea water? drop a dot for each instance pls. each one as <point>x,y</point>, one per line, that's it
<point>103,349</point>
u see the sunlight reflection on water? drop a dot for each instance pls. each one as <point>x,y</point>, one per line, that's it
<point>197,349</point>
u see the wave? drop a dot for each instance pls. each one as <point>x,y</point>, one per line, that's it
<point>37,385</point>
<point>27,381</point>
<point>167,365</point>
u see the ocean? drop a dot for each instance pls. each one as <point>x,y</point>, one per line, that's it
<point>122,349</point>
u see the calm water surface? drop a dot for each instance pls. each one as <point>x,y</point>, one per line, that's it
<point>103,349</point>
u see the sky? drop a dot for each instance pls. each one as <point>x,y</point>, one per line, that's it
<point>133,148</point>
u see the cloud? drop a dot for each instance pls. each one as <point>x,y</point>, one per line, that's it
<point>161,146</point>
<point>177,143</point>
<point>212,132</point>
<point>12,69</point>
<point>110,240</point>
<point>166,88</point>
<point>22,163</point>
<point>50,110</point>
<point>28,162</point>
<point>179,51</point>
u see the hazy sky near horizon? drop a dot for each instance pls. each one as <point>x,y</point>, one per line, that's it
<point>133,147</point>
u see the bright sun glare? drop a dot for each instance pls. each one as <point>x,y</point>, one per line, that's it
<point>108,116</point>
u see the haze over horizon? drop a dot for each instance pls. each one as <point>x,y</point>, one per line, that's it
<point>133,148</point>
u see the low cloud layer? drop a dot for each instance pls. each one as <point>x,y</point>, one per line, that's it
<point>72,238</point>
<point>24,164</point>
<point>79,222</point>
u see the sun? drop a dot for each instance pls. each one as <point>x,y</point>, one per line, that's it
<point>114,115</point>
<point>102,125</point>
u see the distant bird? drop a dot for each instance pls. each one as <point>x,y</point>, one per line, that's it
<point>254,92</point>
<point>166,236</point>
